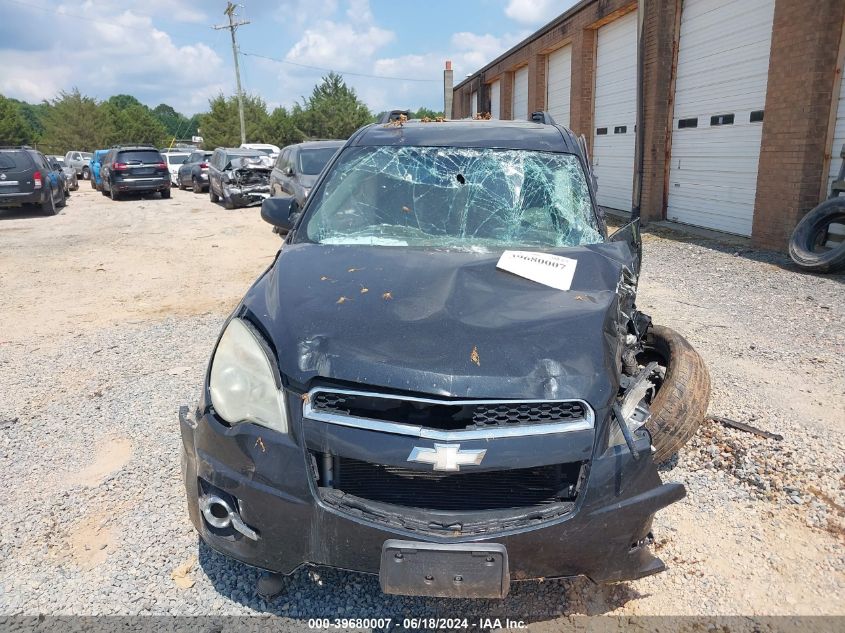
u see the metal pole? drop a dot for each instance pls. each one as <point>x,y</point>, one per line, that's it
<point>230,11</point>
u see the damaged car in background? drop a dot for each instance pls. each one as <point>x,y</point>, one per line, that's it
<point>239,177</point>
<point>443,378</point>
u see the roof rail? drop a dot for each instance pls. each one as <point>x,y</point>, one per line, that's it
<point>394,115</point>
<point>15,147</point>
<point>541,116</point>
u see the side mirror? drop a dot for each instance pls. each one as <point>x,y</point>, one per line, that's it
<point>289,172</point>
<point>280,212</point>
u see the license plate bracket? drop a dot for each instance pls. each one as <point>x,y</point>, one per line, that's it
<point>459,570</point>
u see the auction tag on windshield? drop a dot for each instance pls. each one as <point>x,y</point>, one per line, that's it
<point>549,270</point>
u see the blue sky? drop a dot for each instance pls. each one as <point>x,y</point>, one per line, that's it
<point>165,51</point>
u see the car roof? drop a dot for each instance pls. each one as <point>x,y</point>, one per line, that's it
<point>470,133</point>
<point>238,151</point>
<point>316,144</point>
<point>133,148</point>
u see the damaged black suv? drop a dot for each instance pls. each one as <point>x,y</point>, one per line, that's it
<point>443,378</point>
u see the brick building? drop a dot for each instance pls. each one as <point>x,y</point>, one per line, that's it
<point>743,104</point>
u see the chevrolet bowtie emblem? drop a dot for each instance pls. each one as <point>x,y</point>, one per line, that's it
<point>446,456</point>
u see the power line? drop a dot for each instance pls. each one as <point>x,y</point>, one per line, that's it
<point>339,72</point>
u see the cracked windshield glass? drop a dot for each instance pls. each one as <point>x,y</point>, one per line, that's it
<point>454,198</point>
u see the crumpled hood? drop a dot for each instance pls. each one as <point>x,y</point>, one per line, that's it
<point>442,322</point>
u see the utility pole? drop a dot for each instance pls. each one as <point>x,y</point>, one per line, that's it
<point>232,26</point>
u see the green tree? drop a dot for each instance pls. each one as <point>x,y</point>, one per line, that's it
<point>34,114</point>
<point>14,128</point>
<point>72,122</point>
<point>177,124</point>
<point>333,110</point>
<point>125,122</point>
<point>423,113</point>
<point>283,127</point>
<point>220,126</point>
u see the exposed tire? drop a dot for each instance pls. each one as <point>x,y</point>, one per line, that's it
<point>48,205</point>
<point>227,203</point>
<point>681,402</point>
<point>93,184</point>
<point>214,197</point>
<point>806,235</point>
<point>115,195</point>
<point>86,173</point>
<point>165,194</point>
<point>196,187</point>
<point>63,200</point>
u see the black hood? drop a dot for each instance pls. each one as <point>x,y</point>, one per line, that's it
<point>444,323</point>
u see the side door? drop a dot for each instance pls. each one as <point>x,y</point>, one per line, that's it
<point>215,165</point>
<point>276,174</point>
<point>287,172</point>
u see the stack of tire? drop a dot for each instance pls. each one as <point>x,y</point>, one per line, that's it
<point>811,231</point>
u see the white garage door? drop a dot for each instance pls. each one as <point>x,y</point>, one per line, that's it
<point>558,84</point>
<point>615,111</point>
<point>838,136</point>
<point>495,94</point>
<point>720,93</point>
<point>519,105</point>
<point>473,107</point>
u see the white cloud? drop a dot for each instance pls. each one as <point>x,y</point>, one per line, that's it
<point>116,51</point>
<point>339,46</point>
<point>535,12</point>
<point>294,14</point>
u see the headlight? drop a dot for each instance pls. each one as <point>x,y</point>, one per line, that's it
<point>242,384</point>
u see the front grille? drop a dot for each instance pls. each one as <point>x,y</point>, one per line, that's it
<point>462,491</point>
<point>445,415</point>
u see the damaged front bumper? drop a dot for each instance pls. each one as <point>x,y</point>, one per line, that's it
<point>270,481</point>
<point>248,195</point>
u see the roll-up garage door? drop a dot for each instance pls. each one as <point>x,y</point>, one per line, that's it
<point>495,94</point>
<point>519,109</point>
<point>473,107</point>
<point>558,84</point>
<point>615,111</point>
<point>720,93</point>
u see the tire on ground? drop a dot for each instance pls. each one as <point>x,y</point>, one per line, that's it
<point>681,402</point>
<point>806,234</point>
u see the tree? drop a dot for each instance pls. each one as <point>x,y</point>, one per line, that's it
<point>177,124</point>
<point>128,121</point>
<point>283,127</point>
<point>333,110</point>
<point>14,128</point>
<point>221,127</point>
<point>72,122</point>
<point>423,113</point>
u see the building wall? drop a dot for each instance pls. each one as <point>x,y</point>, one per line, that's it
<point>802,76</point>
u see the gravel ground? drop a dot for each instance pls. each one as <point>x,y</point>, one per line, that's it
<point>89,444</point>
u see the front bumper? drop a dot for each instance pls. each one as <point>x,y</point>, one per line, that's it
<point>605,537</point>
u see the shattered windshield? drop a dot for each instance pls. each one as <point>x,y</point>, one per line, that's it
<point>453,197</point>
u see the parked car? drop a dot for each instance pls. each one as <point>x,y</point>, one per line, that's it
<point>27,177</point>
<point>71,182</point>
<point>265,148</point>
<point>79,161</point>
<point>134,169</point>
<point>193,172</point>
<point>174,160</point>
<point>298,166</point>
<point>241,177</point>
<point>443,378</point>
<point>94,167</point>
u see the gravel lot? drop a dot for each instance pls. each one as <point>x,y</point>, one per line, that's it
<point>109,313</point>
